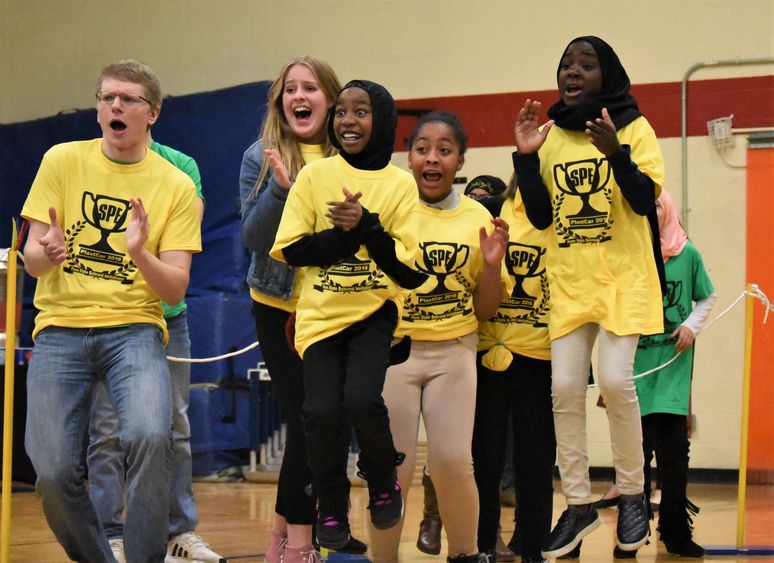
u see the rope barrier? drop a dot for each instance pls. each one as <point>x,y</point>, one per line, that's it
<point>215,358</point>
<point>754,292</point>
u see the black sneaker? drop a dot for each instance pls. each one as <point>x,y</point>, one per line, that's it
<point>574,554</point>
<point>619,553</point>
<point>354,546</point>
<point>607,502</point>
<point>572,527</point>
<point>386,505</point>
<point>685,548</point>
<point>633,523</point>
<point>332,531</point>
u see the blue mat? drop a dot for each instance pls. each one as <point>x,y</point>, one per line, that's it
<point>733,551</point>
<point>345,557</point>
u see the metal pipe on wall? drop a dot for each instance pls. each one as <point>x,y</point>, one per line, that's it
<point>684,120</point>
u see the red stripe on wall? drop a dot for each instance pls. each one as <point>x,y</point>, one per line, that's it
<point>489,118</point>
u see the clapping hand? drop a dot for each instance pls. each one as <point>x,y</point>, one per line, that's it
<point>278,169</point>
<point>602,134</point>
<point>345,214</point>
<point>529,137</point>
<point>493,245</point>
<point>138,228</point>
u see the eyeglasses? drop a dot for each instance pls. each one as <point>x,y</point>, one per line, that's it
<point>129,100</point>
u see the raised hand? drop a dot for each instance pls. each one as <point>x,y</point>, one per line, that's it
<point>529,137</point>
<point>602,134</point>
<point>138,228</point>
<point>345,214</point>
<point>53,242</point>
<point>280,172</point>
<point>493,245</point>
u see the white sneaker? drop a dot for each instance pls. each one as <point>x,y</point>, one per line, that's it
<point>189,547</point>
<point>117,547</point>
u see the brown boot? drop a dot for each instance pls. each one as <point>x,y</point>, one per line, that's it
<point>429,540</point>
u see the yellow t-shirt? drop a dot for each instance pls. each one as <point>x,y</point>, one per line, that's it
<point>309,153</point>
<point>601,267</point>
<point>450,254</point>
<point>98,285</point>
<point>521,322</point>
<point>336,297</point>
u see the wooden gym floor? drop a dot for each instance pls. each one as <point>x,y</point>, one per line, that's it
<point>235,520</point>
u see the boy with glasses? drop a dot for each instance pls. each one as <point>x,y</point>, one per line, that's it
<point>113,226</point>
<point>105,457</point>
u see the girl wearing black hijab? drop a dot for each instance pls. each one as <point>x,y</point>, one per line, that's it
<point>592,174</point>
<point>349,222</point>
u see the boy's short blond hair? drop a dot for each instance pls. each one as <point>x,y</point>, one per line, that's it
<point>131,70</point>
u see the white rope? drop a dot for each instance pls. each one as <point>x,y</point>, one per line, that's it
<point>214,359</point>
<point>755,291</point>
<point>662,366</point>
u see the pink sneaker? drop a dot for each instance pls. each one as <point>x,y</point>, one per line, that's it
<point>276,550</point>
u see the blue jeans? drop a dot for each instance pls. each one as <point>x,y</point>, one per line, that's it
<point>66,363</point>
<point>106,457</point>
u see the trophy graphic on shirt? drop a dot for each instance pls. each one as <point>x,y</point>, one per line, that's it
<point>441,259</point>
<point>583,179</point>
<point>672,298</point>
<point>523,261</point>
<point>108,215</point>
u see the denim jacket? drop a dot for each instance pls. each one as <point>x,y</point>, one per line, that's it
<point>261,214</point>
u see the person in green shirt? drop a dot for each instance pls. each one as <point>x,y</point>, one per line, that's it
<point>664,395</point>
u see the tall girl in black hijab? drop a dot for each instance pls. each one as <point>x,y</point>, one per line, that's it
<point>592,174</point>
<point>349,221</point>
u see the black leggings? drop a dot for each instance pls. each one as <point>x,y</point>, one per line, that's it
<point>524,390</point>
<point>667,434</point>
<point>343,378</point>
<point>287,375</point>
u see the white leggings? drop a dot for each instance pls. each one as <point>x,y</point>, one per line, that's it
<point>571,358</point>
<point>438,381</point>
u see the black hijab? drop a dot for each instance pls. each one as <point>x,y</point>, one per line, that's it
<point>378,151</point>
<point>614,94</point>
